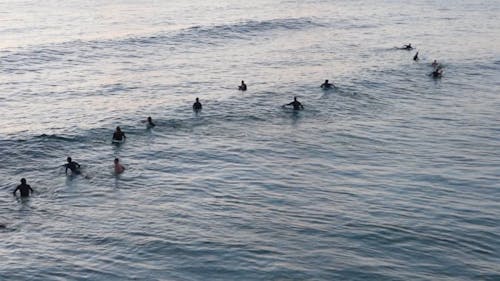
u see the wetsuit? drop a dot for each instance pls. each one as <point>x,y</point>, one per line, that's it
<point>296,105</point>
<point>24,189</point>
<point>73,166</point>
<point>197,106</point>
<point>118,136</point>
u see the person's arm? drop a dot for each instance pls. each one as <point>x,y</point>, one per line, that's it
<point>31,189</point>
<point>77,165</point>
<point>124,136</point>
<point>301,106</point>
<point>15,191</point>
<point>66,171</point>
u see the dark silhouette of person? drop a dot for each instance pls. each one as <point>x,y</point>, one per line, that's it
<point>437,73</point>
<point>435,63</point>
<point>118,135</point>
<point>327,85</point>
<point>73,166</point>
<point>408,47</point>
<point>243,86</point>
<point>150,122</point>
<point>415,57</point>
<point>197,105</point>
<point>23,188</point>
<point>296,104</point>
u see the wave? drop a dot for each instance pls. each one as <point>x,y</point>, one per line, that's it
<point>38,57</point>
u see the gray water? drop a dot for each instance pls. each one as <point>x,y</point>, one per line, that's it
<point>391,176</point>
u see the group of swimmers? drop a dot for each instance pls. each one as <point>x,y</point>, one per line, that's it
<point>119,137</point>
<point>438,68</point>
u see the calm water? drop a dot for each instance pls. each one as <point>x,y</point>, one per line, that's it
<point>392,176</point>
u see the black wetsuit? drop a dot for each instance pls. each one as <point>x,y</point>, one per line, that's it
<point>73,166</point>
<point>24,189</point>
<point>197,106</point>
<point>118,136</point>
<point>243,87</point>
<point>296,105</point>
<point>326,85</point>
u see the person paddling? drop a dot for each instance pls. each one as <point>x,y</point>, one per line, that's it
<point>296,104</point>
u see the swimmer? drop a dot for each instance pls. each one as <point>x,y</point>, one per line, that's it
<point>437,73</point>
<point>407,47</point>
<point>23,188</point>
<point>415,58</point>
<point>243,86</point>
<point>435,63</point>
<point>150,123</point>
<point>197,105</point>
<point>118,135</point>
<point>296,104</point>
<point>118,167</point>
<point>327,85</point>
<point>73,166</point>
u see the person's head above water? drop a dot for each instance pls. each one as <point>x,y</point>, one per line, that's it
<point>197,99</point>
<point>117,160</point>
<point>295,98</point>
<point>69,159</point>
<point>150,119</point>
<point>23,181</point>
<point>118,129</point>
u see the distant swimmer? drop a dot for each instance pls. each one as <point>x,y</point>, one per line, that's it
<point>296,104</point>
<point>23,188</point>
<point>243,86</point>
<point>415,57</point>
<point>435,63</point>
<point>327,85</point>
<point>407,47</point>
<point>118,167</point>
<point>150,123</point>
<point>73,166</point>
<point>437,73</point>
<point>197,105</point>
<point>118,135</point>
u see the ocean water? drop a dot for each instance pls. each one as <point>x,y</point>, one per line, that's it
<point>391,176</point>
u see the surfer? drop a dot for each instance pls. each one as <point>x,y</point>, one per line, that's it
<point>118,167</point>
<point>435,63</point>
<point>23,188</point>
<point>150,123</point>
<point>437,73</point>
<point>118,135</point>
<point>73,166</point>
<point>415,57</point>
<point>243,86</point>
<point>327,85</point>
<point>296,104</point>
<point>407,47</point>
<point>197,105</point>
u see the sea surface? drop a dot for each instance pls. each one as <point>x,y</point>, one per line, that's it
<point>393,175</point>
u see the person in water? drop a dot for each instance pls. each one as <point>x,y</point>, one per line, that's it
<point>150,123</point>
<point>327,85</point>
<point>243,86</point>
<point>118,167</point>
<point>296,104</point>
<point>23,188</point>
<point>408,47</point>
<point>118,135</point>
<point>73,166</point>
<point>197,105</point>
<point>415,57</point>
<point>435,63</point>
<point>437,73</point>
